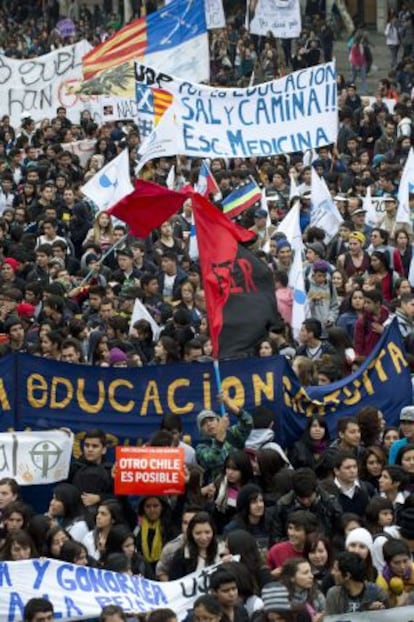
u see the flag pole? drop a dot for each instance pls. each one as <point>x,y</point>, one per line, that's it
<point>216,366</point>
<point>104,256</point>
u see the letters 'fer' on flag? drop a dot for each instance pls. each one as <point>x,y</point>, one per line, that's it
<point>240,199</point>
<point>157,34</point>
<point>147,207</point>
<point>240,296</point>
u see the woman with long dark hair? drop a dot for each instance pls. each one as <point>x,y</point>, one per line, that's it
<point>109,513</point>
<point>307,451</point>
<point>121,540</point>
<point>67,511</point>
<point>237,471</point>
<point>200,550</point>
<point>251,515</point>
<point>380,272</point>
<point>242,543</point>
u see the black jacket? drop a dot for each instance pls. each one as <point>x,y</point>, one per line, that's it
<point>325,508</point>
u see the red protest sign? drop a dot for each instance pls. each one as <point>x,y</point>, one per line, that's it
<point>149,471</point>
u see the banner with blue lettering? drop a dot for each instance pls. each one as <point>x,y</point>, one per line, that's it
<point>129,403</point>
<point>80,592</point>
<point>294,113</point>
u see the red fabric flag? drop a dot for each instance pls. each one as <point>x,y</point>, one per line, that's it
<point>147,207</point>
<point>218,244</point>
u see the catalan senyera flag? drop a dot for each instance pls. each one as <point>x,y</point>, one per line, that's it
<point>172,39</point>
<point>161,101</point>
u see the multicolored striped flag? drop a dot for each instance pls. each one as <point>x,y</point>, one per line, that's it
<point>240,199</point>
<point>173,38</point>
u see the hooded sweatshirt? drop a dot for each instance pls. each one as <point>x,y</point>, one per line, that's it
<point>263,438</point>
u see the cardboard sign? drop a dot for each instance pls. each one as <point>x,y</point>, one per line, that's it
<point>149,471</point>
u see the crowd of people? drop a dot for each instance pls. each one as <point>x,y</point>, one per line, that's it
<point>323,527</point>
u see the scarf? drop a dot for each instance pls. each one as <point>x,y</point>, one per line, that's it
<point>318,447</point>
<point>151,553</point>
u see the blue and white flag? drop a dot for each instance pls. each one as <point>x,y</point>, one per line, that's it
<point>324,213</point>
<point>111,184</point>
<point>193,244</point>
<point>290,226</point>
<point>406,188</point>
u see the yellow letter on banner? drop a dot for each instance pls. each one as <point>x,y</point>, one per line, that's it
<point>122,408</point>
<point>87,406</point>
<point>69,392</point>
<point>151,395</point>
<point>263,386</point>
<point>232,382</point>
<point>397,357</point>
<point>4,400</point>
<point>36,382</point>
<point>172,405</point>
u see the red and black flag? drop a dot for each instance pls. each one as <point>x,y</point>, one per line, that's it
<point>239,288</point>
<point>240,294</point>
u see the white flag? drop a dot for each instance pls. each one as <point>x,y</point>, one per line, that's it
<point>293,190</point>
<point>290,226</point>
<point>371,218</point>
<point>324,213</point>
<point>170,181</point>
<point>111,184</point>
<point>405,189</point>
<point>162,142</point>
<point>264,205</point>
<point>140,312</point>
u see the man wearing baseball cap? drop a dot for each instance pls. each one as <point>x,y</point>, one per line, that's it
<point>220,439</point>
<point>407,430</point>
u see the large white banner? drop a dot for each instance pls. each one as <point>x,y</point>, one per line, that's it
<point>295,113</point>
<point>280,17</point>
<point>80,592</point>
<point>37,86</point>
<point>35,457</point>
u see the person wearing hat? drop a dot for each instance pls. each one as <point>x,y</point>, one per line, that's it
<point>284,255</point>
<point>260,228</point>
<point>356,260</point>
<point>117,358</point>
<point>8,274</point>
<point>352,591</point>
<point>406,430</point>
<point>389,220</point>
<point>219,440</point>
